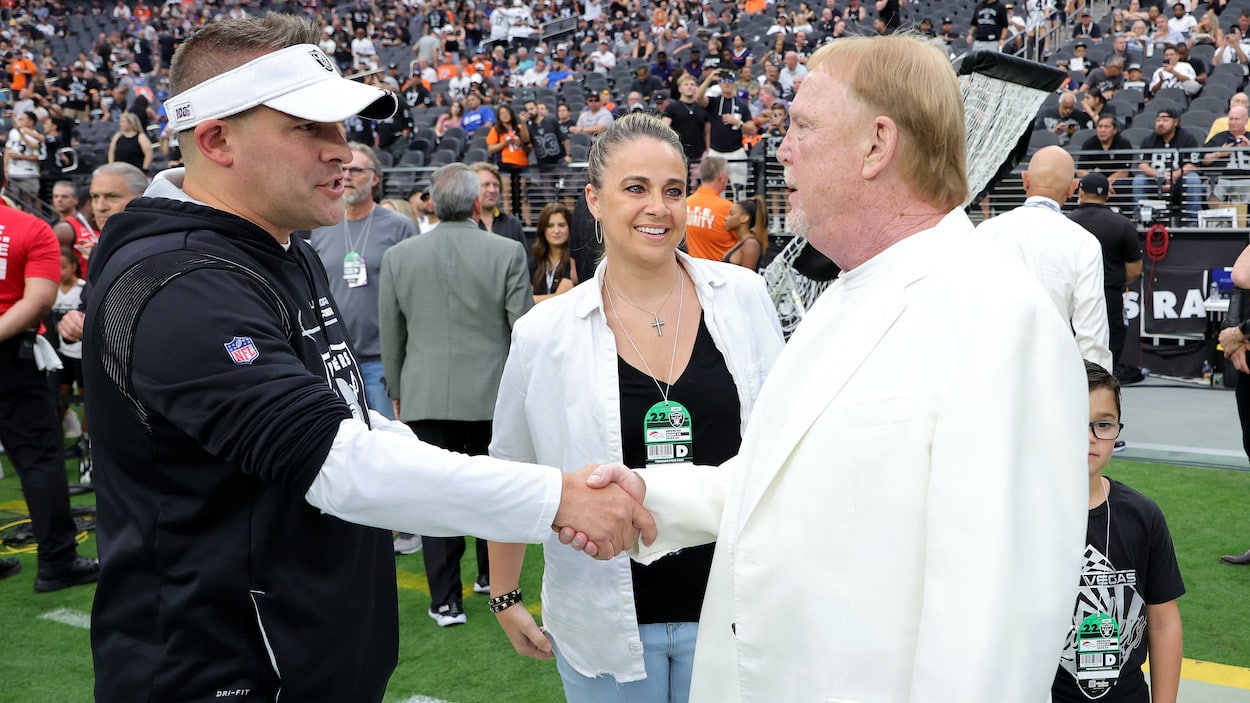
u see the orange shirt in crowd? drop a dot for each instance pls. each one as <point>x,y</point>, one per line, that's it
<point>755,7</point>
<point>514,153</point>
<point>447,71</point>
<point>706,236</point>
<point>22,69</point>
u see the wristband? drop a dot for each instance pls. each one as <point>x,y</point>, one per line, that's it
<point>507,600</point>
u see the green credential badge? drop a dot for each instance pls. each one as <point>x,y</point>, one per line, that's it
<point>1098,653</point>
<point>667,434</point>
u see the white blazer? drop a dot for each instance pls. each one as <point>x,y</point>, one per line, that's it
<point>559,404</point>
<point>905,519</point>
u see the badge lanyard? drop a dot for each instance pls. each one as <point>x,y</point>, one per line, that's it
<point>1098,639</point>
<point>667,429</point>
<point>354,271</point>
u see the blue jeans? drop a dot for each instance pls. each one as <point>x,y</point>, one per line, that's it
<point>375,391</point>
<point>667,654</point>
<point>1191,192</point>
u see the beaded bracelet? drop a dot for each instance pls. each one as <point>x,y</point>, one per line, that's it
<point>507,600</point>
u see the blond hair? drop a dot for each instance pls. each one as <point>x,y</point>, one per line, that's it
<point>625,133</point>
<point>911,82</point>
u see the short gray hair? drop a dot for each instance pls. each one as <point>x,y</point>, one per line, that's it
<point>136,181</point>
<point>454,189</point>
<point>375,163</point>
<point>711,168</point>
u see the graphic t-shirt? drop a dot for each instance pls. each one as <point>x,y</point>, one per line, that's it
<point>1127,567</point>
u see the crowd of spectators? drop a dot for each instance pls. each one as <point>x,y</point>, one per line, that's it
<point>1151,90</point>
<point>81,76</point>
<point>86,82</point>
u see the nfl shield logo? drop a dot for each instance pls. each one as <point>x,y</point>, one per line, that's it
<point>242,350</point>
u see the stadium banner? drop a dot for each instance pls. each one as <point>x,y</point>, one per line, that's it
<point>1169,331</point>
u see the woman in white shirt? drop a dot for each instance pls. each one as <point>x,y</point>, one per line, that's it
<point>657,361</point>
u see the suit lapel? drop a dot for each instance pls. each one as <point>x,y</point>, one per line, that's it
<point>815,366</point>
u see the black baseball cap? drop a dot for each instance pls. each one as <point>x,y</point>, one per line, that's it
<point>1095,183</point>
<point>1172,112</point>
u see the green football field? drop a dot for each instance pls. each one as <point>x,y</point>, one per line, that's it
<point>46,655</point>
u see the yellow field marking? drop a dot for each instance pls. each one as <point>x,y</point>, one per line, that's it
<point>1212,673</point>
<point>412,582</point>
<point>14,506</point>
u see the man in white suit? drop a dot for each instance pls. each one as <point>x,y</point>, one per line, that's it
<point>1064,256</point>
<point>905,518</point>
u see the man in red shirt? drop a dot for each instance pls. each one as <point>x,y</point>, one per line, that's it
<point>706,235</point>
<point>30,427</point>
<point>74,229</point>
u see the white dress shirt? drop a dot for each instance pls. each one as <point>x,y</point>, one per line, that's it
<point>1067,261</point>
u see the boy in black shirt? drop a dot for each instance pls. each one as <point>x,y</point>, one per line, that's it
<point>1126,604</point>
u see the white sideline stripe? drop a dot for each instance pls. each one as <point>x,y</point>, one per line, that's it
<point>1188,450</point>
<point>65,616</point>
<point>423,699</point>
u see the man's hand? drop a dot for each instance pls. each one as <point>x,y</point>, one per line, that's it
<point>609,518</point>
<point>602,477</point>
<point>526,637</point>
<point>70,326</point>
<point>1238,357</point>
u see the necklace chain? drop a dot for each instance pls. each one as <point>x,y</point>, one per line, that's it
<point>363,239</point>
<point>657,323</point>
<point>672,361</point>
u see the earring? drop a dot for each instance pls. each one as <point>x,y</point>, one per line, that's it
<point>599,232</point>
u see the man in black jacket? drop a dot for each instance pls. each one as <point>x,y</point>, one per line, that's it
<point>241,477</point>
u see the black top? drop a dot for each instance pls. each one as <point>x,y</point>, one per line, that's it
<point>687,120</point>
<point>127,150</point>
<point>1238,161</point>
<point>725,138</point>
<point>988,21</point>
<point>671,589</point>
<point>1117,158</point>
<point>891,15</point>
<point>1117,235</point>
<point>1138,568</point>
<point>1162,153</point>
<point>547,140</point>
<point>539,271</point>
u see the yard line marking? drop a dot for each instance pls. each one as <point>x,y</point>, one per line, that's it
<point>14,506</point>
<point>65,616</point>
<point>423,699</point>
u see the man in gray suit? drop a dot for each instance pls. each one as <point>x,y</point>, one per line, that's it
<point>447,304</point>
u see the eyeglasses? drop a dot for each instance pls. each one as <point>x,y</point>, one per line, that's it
<point>1105,429</point>
<point>354,171</point>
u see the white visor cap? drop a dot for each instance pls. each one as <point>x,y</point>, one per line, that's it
<point>300,81</point>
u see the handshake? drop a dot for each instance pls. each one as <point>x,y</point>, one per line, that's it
<point>601,511</point>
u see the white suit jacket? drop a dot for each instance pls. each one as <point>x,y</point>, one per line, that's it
<point>1067,261</point>
<point>905,519</point>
